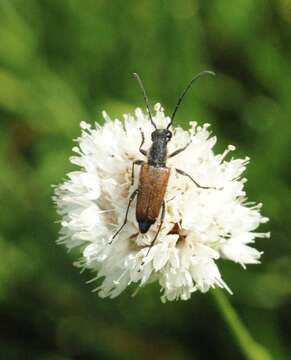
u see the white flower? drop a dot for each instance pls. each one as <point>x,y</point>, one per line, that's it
<point>200,227</point>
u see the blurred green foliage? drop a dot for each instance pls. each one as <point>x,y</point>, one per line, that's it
<point>64,61</point>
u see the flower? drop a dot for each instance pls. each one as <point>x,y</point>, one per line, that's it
<point>200,227</point>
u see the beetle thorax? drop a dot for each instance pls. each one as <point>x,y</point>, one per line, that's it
<point>158,151</point>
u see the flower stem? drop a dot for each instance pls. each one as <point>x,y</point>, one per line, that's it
<point>249,347</point>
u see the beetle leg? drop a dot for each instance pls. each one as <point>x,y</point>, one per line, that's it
<point>178,151</point>
<point>136,162</point>
<point>181,172</point>
<point>142,142</point>
<point>132,196</point>
<point>159,229</point>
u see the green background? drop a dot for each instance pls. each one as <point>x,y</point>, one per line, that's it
<point>65,61</point>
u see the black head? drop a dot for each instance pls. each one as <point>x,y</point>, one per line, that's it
<point>164,135</point>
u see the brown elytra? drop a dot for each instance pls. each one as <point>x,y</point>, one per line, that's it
<point>152,187</point>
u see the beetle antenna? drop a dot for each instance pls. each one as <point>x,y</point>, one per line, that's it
<point>205,72</point>
<point>145,98</point>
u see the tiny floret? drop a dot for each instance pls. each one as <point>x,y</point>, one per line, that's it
<point>201,226</point>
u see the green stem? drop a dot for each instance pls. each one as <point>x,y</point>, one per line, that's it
<point>249,347</point>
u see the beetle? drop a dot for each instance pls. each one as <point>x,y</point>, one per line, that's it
<point>154,174</point>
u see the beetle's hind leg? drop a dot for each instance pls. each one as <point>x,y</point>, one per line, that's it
<point>160,226</point>
<point>181,172</point>
<point>132,196</point>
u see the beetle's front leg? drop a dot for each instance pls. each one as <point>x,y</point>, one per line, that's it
<point>178,151</point>
<point>181,172</point>
<point>136,162</point>
<point>142,142</point>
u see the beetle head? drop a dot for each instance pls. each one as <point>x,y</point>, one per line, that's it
<point>161,134</point>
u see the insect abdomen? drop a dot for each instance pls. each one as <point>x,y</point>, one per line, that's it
<point>151,191</point>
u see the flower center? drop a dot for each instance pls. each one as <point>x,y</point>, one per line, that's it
<point>176,230</point>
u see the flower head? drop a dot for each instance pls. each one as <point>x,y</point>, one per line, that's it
<point>200,225</point>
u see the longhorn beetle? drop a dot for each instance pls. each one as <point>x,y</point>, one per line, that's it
<point>154,174</point>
